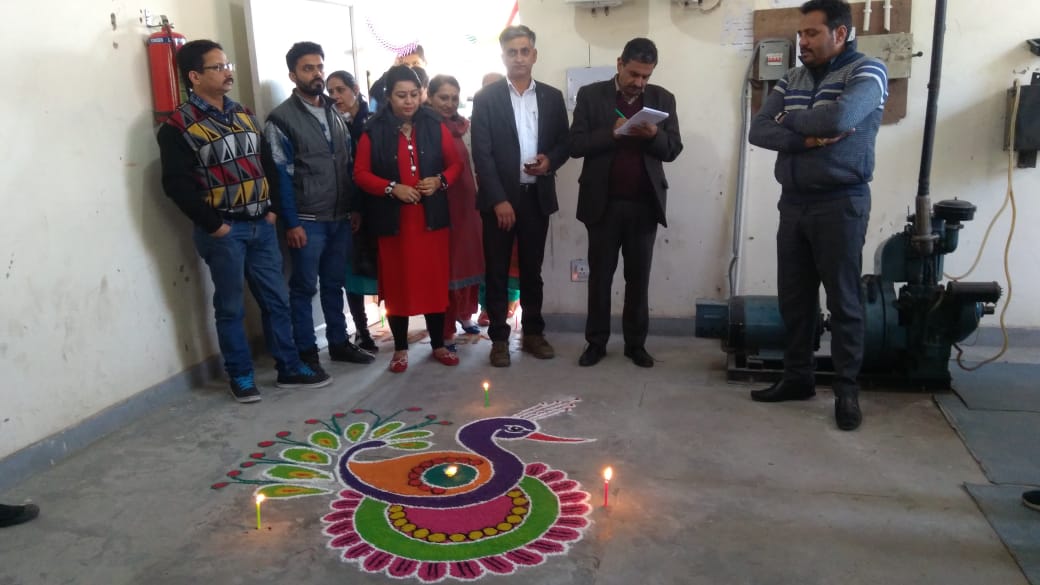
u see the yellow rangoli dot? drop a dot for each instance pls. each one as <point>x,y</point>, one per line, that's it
<point>490,531</point>
<point>437,537</point>
<point>519,501</point>
<point>514,519</point>
<point>457,537</point>
<point>520,511</point>
<point>504,526</point>
<point>421,533</point>
<point>400,522</point>
<point>515,494</point>
<point>397,515</point>
<point>476,535</point>
<point>395,508</point>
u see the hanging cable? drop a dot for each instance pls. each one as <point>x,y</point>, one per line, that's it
<point>1009,198</point>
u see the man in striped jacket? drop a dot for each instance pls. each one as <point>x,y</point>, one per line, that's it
<point>823,119</point>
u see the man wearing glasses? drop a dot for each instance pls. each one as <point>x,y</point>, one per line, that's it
<point>310,145</point>
<point>211,168</point>
<point>519,136</point>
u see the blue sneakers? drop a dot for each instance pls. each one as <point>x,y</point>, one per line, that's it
<point>304,376</point>
<point>244,389</point>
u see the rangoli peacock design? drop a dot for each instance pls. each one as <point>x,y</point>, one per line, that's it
<point>429,515</point>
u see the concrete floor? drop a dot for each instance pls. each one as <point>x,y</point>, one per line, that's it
<point>711,488</point>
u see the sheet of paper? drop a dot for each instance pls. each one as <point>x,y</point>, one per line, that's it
<point>648,115</point>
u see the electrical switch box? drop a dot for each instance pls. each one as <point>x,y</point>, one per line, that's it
<point>1027,124</point>
<point>896,50</point>
<point>774,59</point>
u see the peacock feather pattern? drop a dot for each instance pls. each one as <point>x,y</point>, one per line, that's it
<point>427,514</point>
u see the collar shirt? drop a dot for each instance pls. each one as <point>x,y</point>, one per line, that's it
<point>525,113</point>
<point>222,116</point>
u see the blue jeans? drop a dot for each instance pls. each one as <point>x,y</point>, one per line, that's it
<point>324,259</point>
<point>251,250</point>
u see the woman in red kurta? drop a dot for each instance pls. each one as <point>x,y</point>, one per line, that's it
<point>406,160</point>
<point>466,250</point>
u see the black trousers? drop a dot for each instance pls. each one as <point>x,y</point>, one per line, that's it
<point>822,242</point>
<point>529,231</point>
<point>631,227</point>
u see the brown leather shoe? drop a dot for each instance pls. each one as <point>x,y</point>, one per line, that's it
<point>499,354</point>
<point>537,346</point>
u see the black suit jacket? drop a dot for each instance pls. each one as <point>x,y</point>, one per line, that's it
<point>496,145</point>
<point>592,137</point>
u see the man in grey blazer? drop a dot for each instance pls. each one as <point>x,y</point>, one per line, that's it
<point>622,193</point>
<point>519,137</point>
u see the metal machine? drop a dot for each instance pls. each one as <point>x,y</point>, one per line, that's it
<point>909,334</point>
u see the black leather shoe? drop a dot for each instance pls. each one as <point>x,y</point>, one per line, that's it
<point>784,390</point>
<point>348,352</point>
<point>363,339</point>
<point>639,357</point>
<point>14,515</point>
<point>847,413</point>
<point>592,354</point>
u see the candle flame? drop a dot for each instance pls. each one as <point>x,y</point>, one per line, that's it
<point>260,498</point>
<point>451,470</point>
<point>487,385</point>
<point>608,473</point>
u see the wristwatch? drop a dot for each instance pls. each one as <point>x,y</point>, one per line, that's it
<point>390,188</point>
<point>444,181</point>
<point>779,118</point>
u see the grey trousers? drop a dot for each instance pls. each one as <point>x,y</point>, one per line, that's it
<point>822,243</point>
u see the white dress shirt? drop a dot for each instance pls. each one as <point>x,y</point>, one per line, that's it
<point>525,112</point>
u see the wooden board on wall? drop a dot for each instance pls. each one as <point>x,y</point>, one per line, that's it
<point>783,22</point>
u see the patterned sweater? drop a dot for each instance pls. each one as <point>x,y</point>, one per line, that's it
<point>846,96</point>
<point>211,163</point>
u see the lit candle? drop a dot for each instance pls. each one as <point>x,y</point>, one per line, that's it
<point>487,399</point>
<point>259,500</point>
<point>451,470</point>
<point>607,474</point>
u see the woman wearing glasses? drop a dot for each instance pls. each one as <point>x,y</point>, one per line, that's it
<point>406,161</point>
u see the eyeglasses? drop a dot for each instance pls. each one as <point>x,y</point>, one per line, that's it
<point>220,67</point>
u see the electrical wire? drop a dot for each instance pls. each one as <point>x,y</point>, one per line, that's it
<point>1009,198</point>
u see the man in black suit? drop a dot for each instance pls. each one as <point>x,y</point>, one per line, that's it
<point>519,135</point>
<point>622,193</point>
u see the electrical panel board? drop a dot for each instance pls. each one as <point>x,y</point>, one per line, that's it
<point>774,59</point>
<point>896,50</point>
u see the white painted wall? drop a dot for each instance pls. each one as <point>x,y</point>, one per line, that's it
<point>985,51</point>
<point>103,294</point>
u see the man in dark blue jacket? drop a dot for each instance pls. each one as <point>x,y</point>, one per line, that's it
<point>823,119</point>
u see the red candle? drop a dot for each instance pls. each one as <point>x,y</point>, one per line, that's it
<point>607,474</point>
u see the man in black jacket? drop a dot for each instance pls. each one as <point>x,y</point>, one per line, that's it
<point>622,193</point>
<point>310,145</point>
<point>519,135</point>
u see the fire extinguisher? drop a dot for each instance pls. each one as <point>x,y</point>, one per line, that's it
<point>166,84</point>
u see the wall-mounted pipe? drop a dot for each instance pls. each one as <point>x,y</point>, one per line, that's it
<point>923,238</point>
